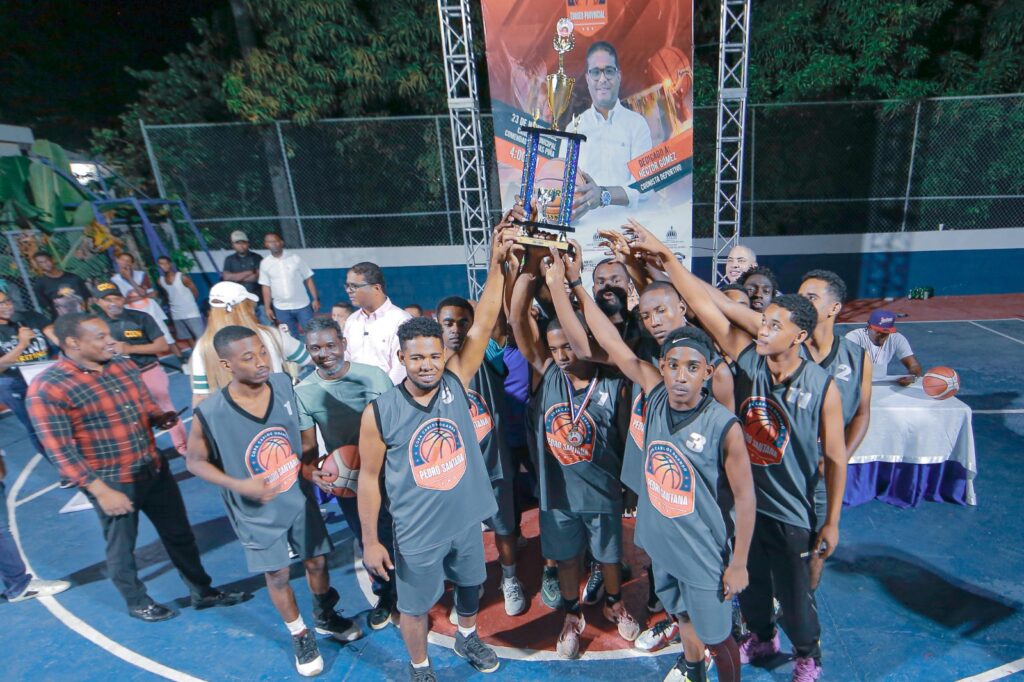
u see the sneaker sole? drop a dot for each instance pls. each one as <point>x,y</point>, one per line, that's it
<point>522,609</point>
<point>475,666</point>
<point>311,669</point>
<point>173,614</point>
<point>349,635</point>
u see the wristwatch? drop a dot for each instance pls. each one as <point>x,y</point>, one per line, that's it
<point>606,197</point>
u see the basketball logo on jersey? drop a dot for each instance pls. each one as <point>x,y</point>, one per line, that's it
<point>636,419</point>
<point>569,443</point>
<point>669,479</point>
<point>478,410</point>
<point>765,430</point>
<point>437,455</point>
<point>270,457</point>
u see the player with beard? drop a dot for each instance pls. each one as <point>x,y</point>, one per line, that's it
<point>487,406</point>
<point>575,408</point>
<point>791,414</point>
<point>685,522</point>
<point>422,439</point>
<point>612,284</point>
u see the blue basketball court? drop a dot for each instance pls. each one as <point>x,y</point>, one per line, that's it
<point>932,593</point>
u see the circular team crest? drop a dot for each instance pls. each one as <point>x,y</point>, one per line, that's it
<point>483,423</point>
<point>636,419</point>
<point>765,430</point>
<point>670,479</point>
<point>569,443</point>
<point>437,455</point>
<point>270,457</point>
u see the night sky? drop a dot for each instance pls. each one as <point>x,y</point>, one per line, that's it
<point>62,62</point>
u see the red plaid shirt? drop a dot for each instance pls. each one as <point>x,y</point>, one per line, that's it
<point>95,423</point>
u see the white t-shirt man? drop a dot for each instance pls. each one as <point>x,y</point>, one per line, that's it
<point>895,346</point>
<point>286,276</point>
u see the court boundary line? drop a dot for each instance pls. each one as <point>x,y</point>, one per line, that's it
<point>37,493</point>
<point>508,652</point>
<point>997,673</point>
<point>906,321</point>
<point>69,619</point>
<point>1005,336</point>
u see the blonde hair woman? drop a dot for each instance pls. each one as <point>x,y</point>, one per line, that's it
<point>232,304</point>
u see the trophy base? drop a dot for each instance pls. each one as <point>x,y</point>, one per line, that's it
<point>543,243</point>
<point>544,226</point>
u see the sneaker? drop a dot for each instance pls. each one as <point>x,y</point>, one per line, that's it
<point>308,661</point>
<point>380,615</point>
<point>550,591</point>
<point>658,636</point>
<point>806,670</point>
<point>41,588</point>
<point>422,674</point>
<point>594,589</point>
<point>569,639</point>
<point>515,602</point>
<point>678,671</point>
<point>627,626</point>
<point>338,627</point>
<point>752,648</point>
<point>219,598</point>
<point>479,655</point>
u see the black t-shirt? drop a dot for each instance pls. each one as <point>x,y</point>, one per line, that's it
<point>35,351</point>
<point>247,263</point>
<point>60,295</point>
<point>135,328</point>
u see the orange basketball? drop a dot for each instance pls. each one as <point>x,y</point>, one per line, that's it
<point>941,382</point>
<point>671,67</point>
<point>437,445</point>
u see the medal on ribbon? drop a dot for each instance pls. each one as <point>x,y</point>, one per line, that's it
<point>576,434</point>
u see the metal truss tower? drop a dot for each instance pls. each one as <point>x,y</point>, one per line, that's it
<point>733,47</point>
<point>464,115</point>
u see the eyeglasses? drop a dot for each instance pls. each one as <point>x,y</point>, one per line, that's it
<point>7,302</point>
<point>355,287</point>
<point>609,72</point>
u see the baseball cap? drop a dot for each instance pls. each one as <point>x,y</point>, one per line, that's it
<point>883,321</point>
<point>238,236</point>
<point>229,294</point>
<point>101,289</point>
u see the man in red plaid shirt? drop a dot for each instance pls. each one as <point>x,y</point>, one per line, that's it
<point>94,416</point>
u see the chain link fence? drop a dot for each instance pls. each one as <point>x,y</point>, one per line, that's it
<point>811,168</point>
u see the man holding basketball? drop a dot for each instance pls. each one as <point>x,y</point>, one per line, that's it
<point>692,447</point>
<point>422,439</point>
<point>579,426</point>
<point>786,404</point>
<point>245,439</point>
<point>332,399</point>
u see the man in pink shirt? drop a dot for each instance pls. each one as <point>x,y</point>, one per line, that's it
<point>371,333</point>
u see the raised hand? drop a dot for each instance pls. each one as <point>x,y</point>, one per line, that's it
<point>573,261</point>
<point>645,244</point>
<point>553,269</point>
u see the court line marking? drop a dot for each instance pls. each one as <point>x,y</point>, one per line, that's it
<point>1005,670</point>
<point>902,320</point>
<point>1005,336</point>
<point>37,494</point>
<point>70,620</point>
<point>507,652</point>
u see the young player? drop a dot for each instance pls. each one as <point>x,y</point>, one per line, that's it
<point>785,406</point>
<point>421,437</point>
<point>245,439</point>
<point>575,406</point>
<point>850,367</point>
<point>761,287</point>
<point>487,405</point>
<point>694,468</point>
<point>332,399</point>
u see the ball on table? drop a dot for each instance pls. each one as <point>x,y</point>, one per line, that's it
<point>941,382</point>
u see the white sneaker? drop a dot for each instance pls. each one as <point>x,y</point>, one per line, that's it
<point>515,602</point>
<point>569,640</point>
<point>41,588</point>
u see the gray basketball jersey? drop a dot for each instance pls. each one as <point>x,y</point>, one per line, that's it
<point>781,424</point>
<point>845,362</point>
<point>486,406</point>
<point>244,446</point>
<point>434,472</point>
<point>684,518</point>
<point>579,464</point>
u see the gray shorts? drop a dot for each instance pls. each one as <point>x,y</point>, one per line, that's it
<point>564,535</point>
<point>504,520</point>
<point>307,536</point>
<point>191,328</point>
<point>709,612</point>
<point>420,576</point>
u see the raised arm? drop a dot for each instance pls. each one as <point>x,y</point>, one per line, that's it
<point>524,327</point>
<point>371,460</point>
<point>834,445</point>
<point>858,426</point>
<point>555,275</point>
<point>731,339</point>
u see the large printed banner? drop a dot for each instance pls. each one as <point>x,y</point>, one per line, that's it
<point>633,99</point>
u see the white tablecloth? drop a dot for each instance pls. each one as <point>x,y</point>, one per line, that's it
<point>909,427</point>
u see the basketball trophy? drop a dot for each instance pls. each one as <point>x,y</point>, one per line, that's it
<point>548,200</point>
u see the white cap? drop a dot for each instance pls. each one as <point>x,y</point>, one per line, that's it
<point>229,294</point>
<point>238,236</point>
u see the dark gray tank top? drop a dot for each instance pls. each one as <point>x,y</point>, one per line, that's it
<point>487,406</point>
